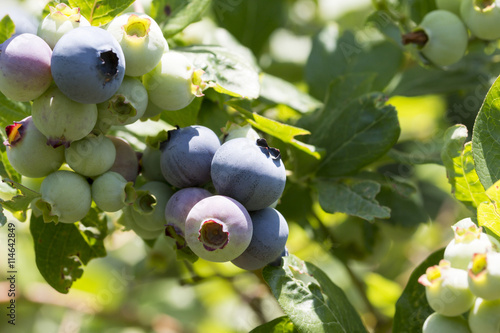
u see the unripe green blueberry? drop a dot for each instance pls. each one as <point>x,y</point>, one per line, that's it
<point>150,164</point>
<point>129,223</point>
<point>173,83</point>
<point>482,17</point>
<point>437,323</point>
<point>468,239</point>
<point>447,290</point>
<point>92,155</point>
<point>61,119</point>
<point>59,21</point>
<point>441,37</point>
<point>66,197</point>
<point>149,208</point>
<point>28,152</point>
<point>111,192</point>
<point>449,5</point>
<point>141,39</point>
<point>484,275</point>
<point>126,106</point>
<point>484,317</point>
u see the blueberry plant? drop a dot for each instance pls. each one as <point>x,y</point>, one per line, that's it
<point>192,126</point>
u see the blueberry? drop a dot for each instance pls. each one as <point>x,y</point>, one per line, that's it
<point>66,197</point>
<point>179,205</point>
<point>173,83</point>
<point>218,229</point>
<point>436,323</point>
<point>250,172</point>
<point>111,192</point>
<point>187,155</point>
<point>28,152</point>
<point>126,162</point>
<point>59,21</point>
<point>270,233</point>
<point>25,74</point>
<point>484,316</point>
<point>88,65</point>
<point>440,282</point>
<point>484,275</point>
<point>91,156</point>
<point>141,40</point>
<point>61,119</point>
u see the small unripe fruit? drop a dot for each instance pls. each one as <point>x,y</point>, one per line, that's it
<point>141,40</point>
<point>482,18</point>
<point>449,5</point>
<point>468,239</point>
<point>111,192</point>
<point>149,208</point>
<point>484,275</point>
<point>66,197</point>
<point>447,290</point>
<point>62,120</point>
<point>173,83</point>
<point>59,21</point>
<point>437,323</point>
<point>484,317</point>
<point>92,155</point>
<point>441,37</point>
<point>126,161</point>
<point>25,74</point>
<point>218,229</point>
<point>28,152</point>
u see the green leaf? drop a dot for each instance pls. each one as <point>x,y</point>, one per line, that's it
<point>21,202</point>
<point>7,28</point>
<point>412,308</point>
<point>486,138</point>
<point>278,91</point>
<point>354,133</point>
<point>226,70</point>
<point>11,111</point>
<point>333,56</point>
<point>260,17</point>
<point>183,117</point>
<point>284,132</point>
<point>62,249</point>
<point>278,325</point>
<point>462,176</point>
<point>319,306</point>
<point>100,12</point>
<point>357,199</point>
<point>3,218</point>
<point>174,15</point>
<point>488,214</point>
<point>419,8</point>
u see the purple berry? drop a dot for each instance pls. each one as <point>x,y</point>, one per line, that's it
<point>250,172</point>
<point>88,65</point>
<point>270,233</point>
<point>126,161</point>
<point>25,73</point>
<point>218,228</point>
<point>187,155</point>
<point>180,204</point>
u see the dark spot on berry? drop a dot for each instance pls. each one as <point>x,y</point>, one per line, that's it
<point>109,65</point>
<point>262,143</point>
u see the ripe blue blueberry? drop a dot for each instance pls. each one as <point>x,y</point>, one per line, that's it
<point>187,155</point>
<point>270,233</point>
<point>250,172</point>
<point>218,229</point>
<point>88,65</point>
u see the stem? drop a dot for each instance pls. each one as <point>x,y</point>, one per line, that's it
<point>419,38</point>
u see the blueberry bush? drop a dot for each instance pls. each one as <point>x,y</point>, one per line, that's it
<point>251,166</point>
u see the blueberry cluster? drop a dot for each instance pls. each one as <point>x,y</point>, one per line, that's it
<point>464,289</point>
<point>442,36</point>
<point>235,221</point>
<point>83,81</point>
